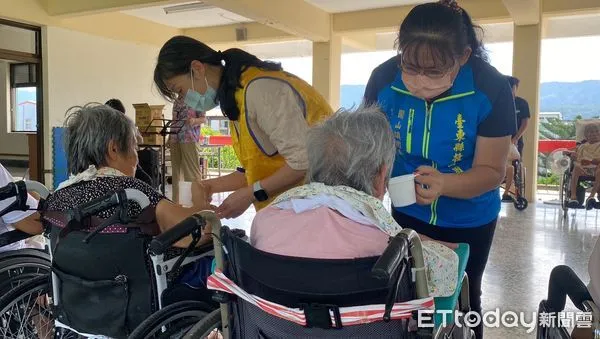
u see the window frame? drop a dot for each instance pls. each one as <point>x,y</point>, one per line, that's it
<point>14,86</point>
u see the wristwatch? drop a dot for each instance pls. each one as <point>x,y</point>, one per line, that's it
<point>259,193</point>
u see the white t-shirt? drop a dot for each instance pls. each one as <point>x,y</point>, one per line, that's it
<point>8,219</point>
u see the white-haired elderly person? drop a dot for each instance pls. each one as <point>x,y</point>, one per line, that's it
<point>101,143</point>
<point>338,213</point>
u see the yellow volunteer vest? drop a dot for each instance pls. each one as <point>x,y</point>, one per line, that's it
<point>258,165</point>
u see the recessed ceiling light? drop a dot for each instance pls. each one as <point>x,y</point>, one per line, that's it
<point>195,6</point>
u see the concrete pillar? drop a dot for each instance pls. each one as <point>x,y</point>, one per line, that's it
<point>526,66</point>
<point>327,61</point>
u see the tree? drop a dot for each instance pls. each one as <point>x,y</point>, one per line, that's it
<point>556,129</point>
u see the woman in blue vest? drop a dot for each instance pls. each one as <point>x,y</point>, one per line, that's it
<point>453,115</point>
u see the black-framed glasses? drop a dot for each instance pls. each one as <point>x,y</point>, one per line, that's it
<point>430,73</point>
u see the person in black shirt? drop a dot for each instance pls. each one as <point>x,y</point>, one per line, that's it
<point>522,109</point>
<point>523,115</point>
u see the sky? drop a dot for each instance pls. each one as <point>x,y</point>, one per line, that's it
<point>565,60</point>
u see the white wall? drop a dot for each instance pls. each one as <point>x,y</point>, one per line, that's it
<point>81,68</point>
<point>10,143</point>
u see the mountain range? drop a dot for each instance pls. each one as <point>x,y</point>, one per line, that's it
<point>569,98</point>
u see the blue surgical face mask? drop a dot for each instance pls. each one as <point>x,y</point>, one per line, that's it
<point>200,102</point>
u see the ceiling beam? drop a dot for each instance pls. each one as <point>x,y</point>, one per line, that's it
<point>84,7</point>
<point>524,12</point>
<point>383,20</point>
<point>570,7</point>
<point>296,17</point>
<point>363,42</point>
<point>226,35</point>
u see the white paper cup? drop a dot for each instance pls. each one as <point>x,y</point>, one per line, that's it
<point>185,193</point>
<point>402,190</point>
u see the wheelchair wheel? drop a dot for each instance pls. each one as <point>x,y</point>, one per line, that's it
<point>206,326</point>
<point>172,321</point>
<point>17,270</point>
<point>521,203</point>
<point>25,314</point>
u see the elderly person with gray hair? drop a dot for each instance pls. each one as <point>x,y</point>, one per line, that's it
<point>339,213</point>
<point>101,144</point>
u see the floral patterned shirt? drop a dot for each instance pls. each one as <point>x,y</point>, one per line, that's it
<point>184,133</point>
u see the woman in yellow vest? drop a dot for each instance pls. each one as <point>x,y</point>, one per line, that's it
<point>269,110</point>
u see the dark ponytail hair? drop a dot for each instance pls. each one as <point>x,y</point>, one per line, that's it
<point>442,30</point>
<point>116,104</point>
<point>176,56</point>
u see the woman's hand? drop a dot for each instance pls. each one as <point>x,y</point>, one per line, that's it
<point>201,194</point>
<point>236,203</point>
<point>450,245</point>
<point>430,185</point>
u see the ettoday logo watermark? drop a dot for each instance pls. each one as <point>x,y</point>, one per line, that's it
<point>497,318</point>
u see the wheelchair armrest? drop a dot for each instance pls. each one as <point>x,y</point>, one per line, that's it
<point>12,237</point>
<point>404,243</point>
<point>388,264</point>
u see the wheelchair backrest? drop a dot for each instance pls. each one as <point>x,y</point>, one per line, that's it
<point>290,280</point>
<point>104,286</point>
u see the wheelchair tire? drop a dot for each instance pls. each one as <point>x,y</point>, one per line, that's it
<point>19,318</point>
<point>172,321</point>
<point>580,194</point>
<point>205,326</point>
<point>17,270</point>
<point>521,203</point>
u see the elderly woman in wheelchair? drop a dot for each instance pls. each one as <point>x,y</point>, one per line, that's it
<point>327,260</point>
<point>339,213</point>
<point>586,160</point>
<point>104,282</point>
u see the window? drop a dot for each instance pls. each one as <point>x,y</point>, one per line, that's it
<point>23,88</point>
<point>219,124</point>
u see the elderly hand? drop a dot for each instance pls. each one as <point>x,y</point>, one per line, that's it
<point>201,194</point>
<point>236,203</point>
<point>430,185</point>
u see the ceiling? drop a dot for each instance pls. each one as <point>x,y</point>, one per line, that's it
<point>338,6</point>
<point>212,16</point>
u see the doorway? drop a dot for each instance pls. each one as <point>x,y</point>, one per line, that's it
<point>22,139</point>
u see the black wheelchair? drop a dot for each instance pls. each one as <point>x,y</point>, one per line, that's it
<point>18,266</point>
<point>62,304</point>
<point>518,199</point>
<point>263,295</point>
<point>557,331</point>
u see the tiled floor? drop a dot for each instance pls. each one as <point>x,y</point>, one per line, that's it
<point>527,245</point>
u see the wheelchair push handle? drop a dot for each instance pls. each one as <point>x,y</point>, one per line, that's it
<point>162,242</point>
<point>98,205</point>
<point>38,188</point>
<point>14,189</point>
<point>390,261</point>
<point>9,191</point>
